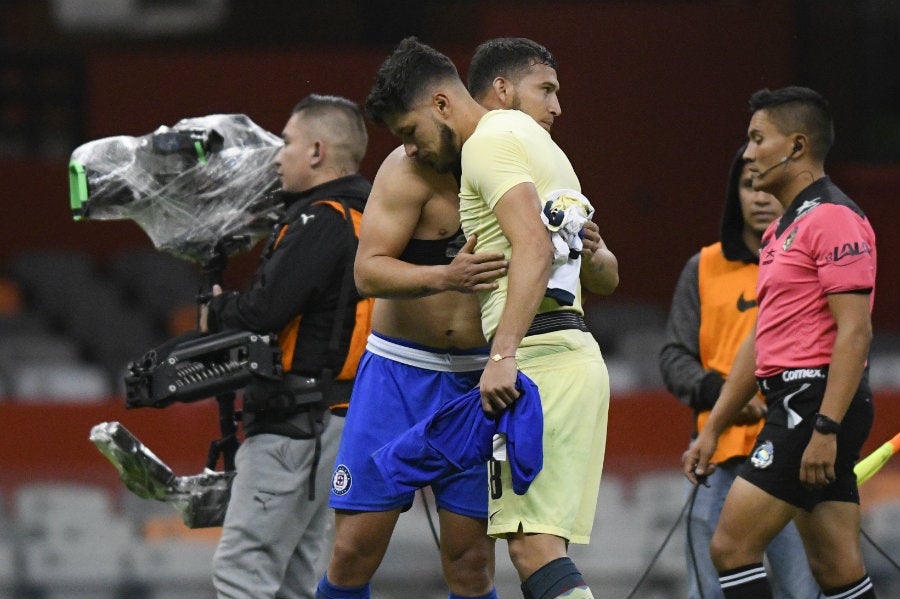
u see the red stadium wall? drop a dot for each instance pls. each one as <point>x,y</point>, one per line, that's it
<point>654,97</point>
<point>647,431</point>
<point>654,105</point>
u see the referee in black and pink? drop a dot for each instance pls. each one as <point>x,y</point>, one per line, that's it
<point>807,355</point>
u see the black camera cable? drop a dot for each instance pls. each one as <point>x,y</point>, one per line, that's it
<point>434,532</point>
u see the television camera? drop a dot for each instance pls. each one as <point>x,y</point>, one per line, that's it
<point>202,190</point>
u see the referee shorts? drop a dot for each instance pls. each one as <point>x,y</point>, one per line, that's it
<point>793,398</point>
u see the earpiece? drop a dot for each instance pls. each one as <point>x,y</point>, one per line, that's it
<point>797,146</point>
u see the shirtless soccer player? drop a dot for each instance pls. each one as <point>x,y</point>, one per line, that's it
<point>427,345</point>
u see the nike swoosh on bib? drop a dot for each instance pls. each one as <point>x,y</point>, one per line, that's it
<point>743,305</point>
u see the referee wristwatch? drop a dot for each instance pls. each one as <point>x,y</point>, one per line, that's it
<point>826,425</point>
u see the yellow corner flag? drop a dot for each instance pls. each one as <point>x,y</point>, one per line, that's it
<point>873,462</point>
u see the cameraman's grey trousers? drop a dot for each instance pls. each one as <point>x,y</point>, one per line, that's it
<point>274,538</point>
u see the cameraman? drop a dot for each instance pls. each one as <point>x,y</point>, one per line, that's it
<point>278,521</point>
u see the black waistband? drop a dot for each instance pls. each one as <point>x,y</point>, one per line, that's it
<point>559,320</point>
<point>792,376</point>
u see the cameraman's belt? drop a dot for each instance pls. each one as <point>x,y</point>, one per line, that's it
<point>559,320</point>
<point>293,394</point>
<point>284,403</point>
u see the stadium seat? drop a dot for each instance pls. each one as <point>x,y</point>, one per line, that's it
<point>613,556</point>
<point>884,370</point>
<point>640,347</point>
<point>8,570</point>
<point>38,345</point>
<point>8,567</point>
<point>659,498</point>
<point>47,277</point>
<point>73,541</point>
<point>110,332</point>
<point>624,375</point>
<point>88,561</point>
<point>25,322</point>
<point>45,507</point>
<point>60,380</point>
<point>165,556</point>
<point>609,319</point>
<point>172,566</point>
<point>882,525</point>
<point>156,281</point>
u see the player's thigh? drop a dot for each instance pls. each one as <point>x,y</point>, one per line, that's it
<point>750,519</point>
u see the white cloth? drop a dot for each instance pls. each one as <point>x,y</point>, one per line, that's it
<point>565,213</point>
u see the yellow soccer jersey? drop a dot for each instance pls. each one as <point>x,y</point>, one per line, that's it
<point>507,148</point>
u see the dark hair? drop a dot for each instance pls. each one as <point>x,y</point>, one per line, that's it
<point>403,76</point>
<point>798,109</point>
<point>348,127</point>
<point>507,57</point>
<point>315,102</point>
<point>731,226</point>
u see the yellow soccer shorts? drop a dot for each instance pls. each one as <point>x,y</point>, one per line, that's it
<point>570,373</point>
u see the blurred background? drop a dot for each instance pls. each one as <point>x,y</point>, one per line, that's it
<point>654,97</point>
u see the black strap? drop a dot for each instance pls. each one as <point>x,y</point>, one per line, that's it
<point>347,284</point>
<point>559,320</point>
<point>227,445</point>
<point>317,454</point>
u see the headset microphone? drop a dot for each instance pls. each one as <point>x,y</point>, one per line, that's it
<point>797,147</point>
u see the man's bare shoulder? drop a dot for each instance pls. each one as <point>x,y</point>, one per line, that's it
<point>400,174</point>
<point>401,178</point>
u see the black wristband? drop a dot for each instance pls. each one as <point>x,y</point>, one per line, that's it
<point>826,425</point>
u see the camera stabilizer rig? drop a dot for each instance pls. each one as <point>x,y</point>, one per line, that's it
<point>199,368</point>
<point>201,190</point>
<point>186,369</point>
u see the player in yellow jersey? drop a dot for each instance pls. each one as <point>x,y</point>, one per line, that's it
<point>511,173</point>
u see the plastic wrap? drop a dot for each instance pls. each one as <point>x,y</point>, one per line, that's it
<point>201,499</point>
<point>203,181</point>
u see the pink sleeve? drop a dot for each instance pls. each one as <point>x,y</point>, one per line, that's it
<point>844,248</point>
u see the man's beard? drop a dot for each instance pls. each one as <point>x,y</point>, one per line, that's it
<point>447,159</point>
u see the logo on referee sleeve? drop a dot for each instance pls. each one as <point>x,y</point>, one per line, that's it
<point>763,455</point>
<point>341,481</point>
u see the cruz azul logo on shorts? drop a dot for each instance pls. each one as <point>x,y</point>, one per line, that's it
<point>341,481</point>
<point>763,456</point>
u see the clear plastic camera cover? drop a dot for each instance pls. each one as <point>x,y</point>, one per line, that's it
<point>189,187</point>
<point>201,499</point>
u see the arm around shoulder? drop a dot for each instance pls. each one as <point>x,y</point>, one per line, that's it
<point>392,214</point>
